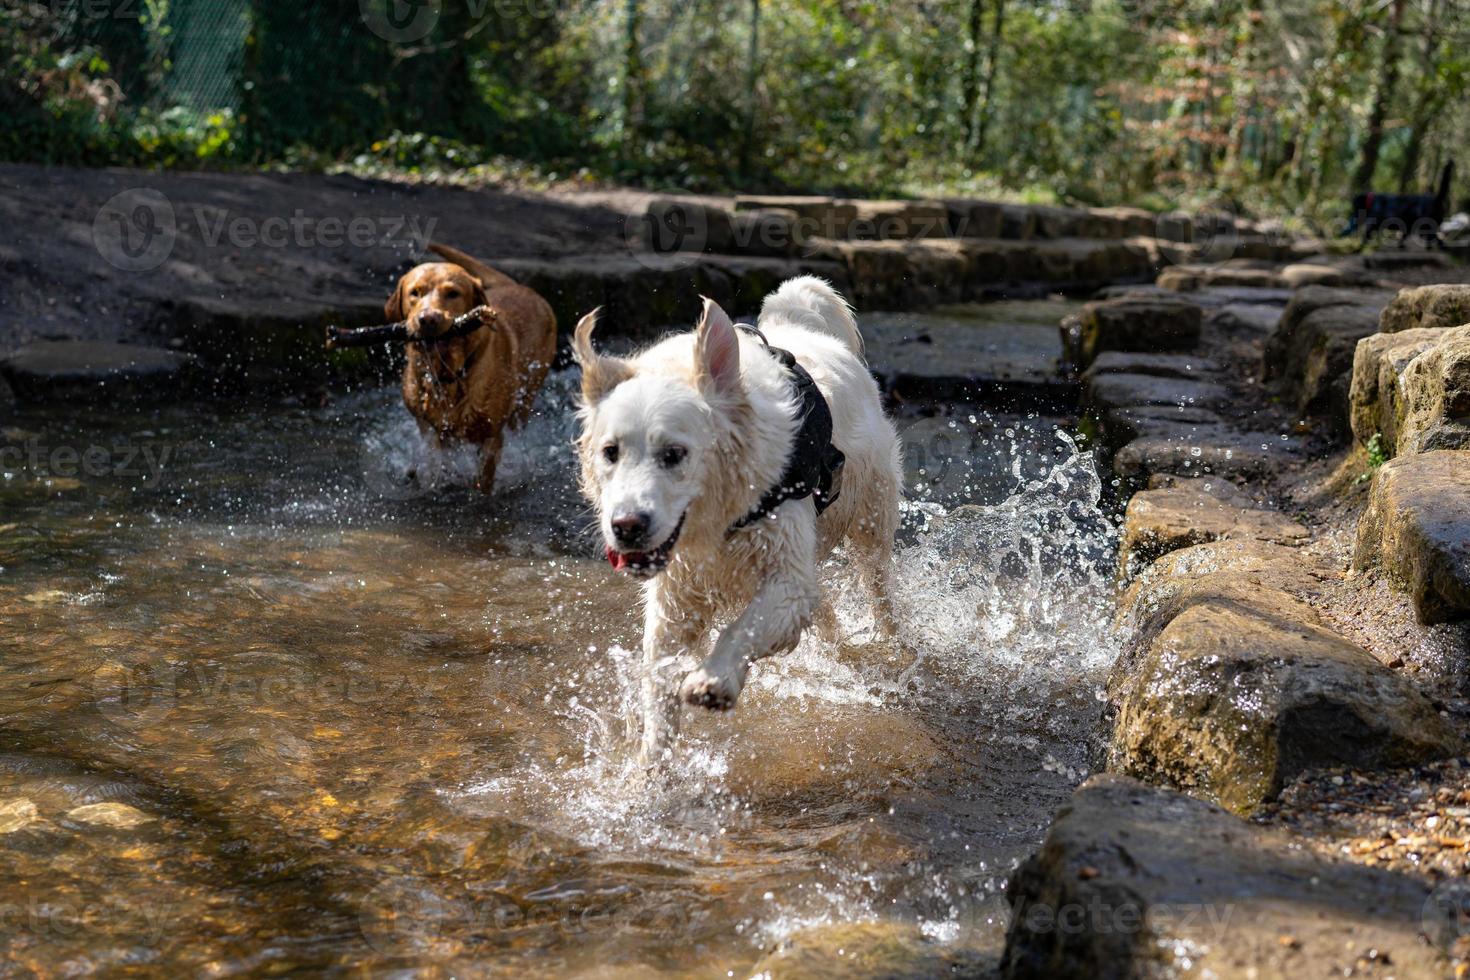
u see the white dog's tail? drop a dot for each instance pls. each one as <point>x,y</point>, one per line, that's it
<point>812,303</point>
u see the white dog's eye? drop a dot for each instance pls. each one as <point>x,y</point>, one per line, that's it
<point>610,452</point>
<point>671,456</point>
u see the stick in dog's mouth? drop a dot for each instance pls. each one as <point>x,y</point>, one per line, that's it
<point>646,564</point>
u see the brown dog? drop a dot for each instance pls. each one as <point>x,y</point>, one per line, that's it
<point>469,388</point>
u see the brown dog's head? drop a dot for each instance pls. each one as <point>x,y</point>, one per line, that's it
<point>430,296</point>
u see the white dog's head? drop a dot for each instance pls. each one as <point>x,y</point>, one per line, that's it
<point>650,436</point>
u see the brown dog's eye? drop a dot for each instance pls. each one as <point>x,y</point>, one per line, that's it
<point>671,456</point>
<point>451,294</point>
<point>610,452</point>
<point>413,294</point>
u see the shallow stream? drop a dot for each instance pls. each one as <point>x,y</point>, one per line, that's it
<point>346,719</point>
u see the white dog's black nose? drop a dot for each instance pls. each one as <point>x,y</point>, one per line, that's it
<point>630,530</point>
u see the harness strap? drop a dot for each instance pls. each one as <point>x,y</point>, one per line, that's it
<point>814,462</point>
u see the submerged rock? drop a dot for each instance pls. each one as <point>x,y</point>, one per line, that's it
<point>117,816</point>
<point>17,814</point>
<point>866,951</point>
<point>1133,881</point>
<point>1417,527</point>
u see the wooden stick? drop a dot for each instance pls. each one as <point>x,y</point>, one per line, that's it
<point>391,333</point>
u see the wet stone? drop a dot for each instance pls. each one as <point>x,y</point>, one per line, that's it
<point>1133,881</point>
<point>1309,356</point>
<point>1249,319</point>
<point>1168,519</point>
<point>51,370</point>
<point>1101,392</point>
<point>1198,450</point>
<point>1417,528</point>
<point>986,352</point>
<point>1146,324</point>
<point>1186,366</point>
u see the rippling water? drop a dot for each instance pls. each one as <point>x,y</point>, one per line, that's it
<point>348,719</point>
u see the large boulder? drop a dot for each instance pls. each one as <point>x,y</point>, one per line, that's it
<point>1138,882</point>
<point>1139,324</point>
<point>1417,527</point>
<point>1435,388</point>
<point>1230,684</point>
<point>1428,306</point>
<point>1374,398</point>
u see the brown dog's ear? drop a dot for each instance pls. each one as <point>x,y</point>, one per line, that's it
<point>600,374</point>
<point>478,297</point>
<point>393,310</point>
<point>716,350</point>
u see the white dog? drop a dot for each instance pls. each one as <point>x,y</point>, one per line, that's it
<point>709,457</point>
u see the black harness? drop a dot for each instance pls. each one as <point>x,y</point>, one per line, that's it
<point>814,462</point>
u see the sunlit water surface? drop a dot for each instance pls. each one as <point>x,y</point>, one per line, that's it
<point>375,723</point>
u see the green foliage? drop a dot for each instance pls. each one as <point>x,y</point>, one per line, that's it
<point>1376,457</point>
<point>1231,103</point>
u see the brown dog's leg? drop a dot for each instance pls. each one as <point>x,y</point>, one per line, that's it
<point>489,459</point>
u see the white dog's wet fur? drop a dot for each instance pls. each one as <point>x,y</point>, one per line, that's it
<point>681,441</point>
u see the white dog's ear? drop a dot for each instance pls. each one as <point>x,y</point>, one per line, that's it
<point>717,350</point>
<point>600,374</point>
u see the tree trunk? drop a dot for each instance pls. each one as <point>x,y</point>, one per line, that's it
<point>971,84</point>
<point>632,77</point>
<point>991,62</point>
<point>752,66</point>
<point>1426,103</point>
<point>1382,97</point>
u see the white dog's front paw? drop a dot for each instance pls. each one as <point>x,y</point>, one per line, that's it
<point>709,690</point>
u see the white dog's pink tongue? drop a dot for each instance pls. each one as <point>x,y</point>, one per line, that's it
<point>618,559</point>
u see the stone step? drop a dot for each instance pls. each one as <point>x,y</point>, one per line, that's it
<point>1004,355</point>
<point>69,370</point>
<point>1231,682</point>
<point>1417,530</point>
<point>1134,881</point>
<point>1168,519</point>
